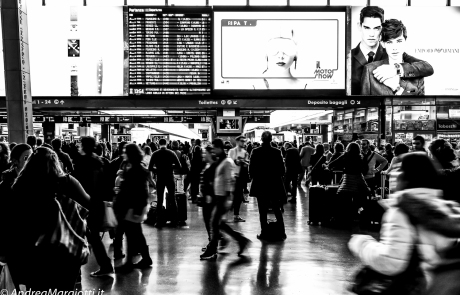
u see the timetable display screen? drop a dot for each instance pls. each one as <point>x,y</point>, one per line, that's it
<point>169,50</point>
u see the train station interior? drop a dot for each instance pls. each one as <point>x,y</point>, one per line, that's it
<point>141,71</point>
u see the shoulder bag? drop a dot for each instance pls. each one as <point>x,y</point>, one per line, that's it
<point>69,232</point>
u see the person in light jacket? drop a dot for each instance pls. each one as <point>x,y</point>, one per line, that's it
<point>415,219</point>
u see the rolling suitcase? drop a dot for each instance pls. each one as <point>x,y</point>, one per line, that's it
<point>374,210</point>
<point>317,197</point>
<point>330,203</point>
<point>181,200</point>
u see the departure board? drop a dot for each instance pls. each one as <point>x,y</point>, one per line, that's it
<point>169,50</point>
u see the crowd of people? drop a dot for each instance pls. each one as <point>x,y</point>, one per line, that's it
<point>63,189</point>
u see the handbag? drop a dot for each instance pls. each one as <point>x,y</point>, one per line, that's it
<point>410,282</point>
<point>6,282</point>
<point>109,221</point>
<point>69,232</point>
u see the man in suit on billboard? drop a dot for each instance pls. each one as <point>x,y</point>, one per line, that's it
<point>370,50</point>
<point>394,35</point>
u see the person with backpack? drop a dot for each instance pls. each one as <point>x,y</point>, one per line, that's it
<point>162,164</point>
<point>88,170</point>
<point>46,203</point>
<point>180,172</point>
<point>420,231</point>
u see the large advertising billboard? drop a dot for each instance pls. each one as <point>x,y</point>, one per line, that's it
<point>405,51</point>
<point>279,49</point>
<point>76,51</point>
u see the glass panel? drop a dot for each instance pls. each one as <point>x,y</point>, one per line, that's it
<point>268,2</point>
<point>414,118</point>
<point>360,116</point>
<point>428,3</point>
<point>372,114</point>
<point>388,123</point>
<point>35,3</point>
<point>388,101</point>
<point>147,2</point>
<point>413,101</point>
<point>414,113</point>
<point>349,2</point>
<point>309,2</point>
<point>455,2</point>
<point>187,2</point>
<point>227,2</point>
<point>63,2</point>
<point>383,3</point>
<point>448,101</point>
<point>105,2</point>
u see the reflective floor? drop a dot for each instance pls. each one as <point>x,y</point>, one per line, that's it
<point>313,260</point>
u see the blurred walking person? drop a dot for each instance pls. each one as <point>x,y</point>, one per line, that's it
<point>88,170</point>
<point>224,184</point>
<point>131,207</point>
<point>419,236</point>
<point>241,159</point>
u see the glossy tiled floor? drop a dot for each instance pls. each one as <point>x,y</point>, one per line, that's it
<point>313,260</point>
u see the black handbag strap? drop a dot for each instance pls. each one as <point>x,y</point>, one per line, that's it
<point>319,160</point>
<point>370,159</point>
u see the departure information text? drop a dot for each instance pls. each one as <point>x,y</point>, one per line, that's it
<point>169,50</point>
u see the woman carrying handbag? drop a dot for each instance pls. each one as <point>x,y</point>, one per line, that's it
<point>47,243</point>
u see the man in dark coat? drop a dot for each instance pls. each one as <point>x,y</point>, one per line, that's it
<point>267,169</point>
<point>293,168</point>
<point>88,170</point>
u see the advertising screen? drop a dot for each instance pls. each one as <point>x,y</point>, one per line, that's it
<point>412,53</point>
<point>279,49</point>
<point>76,51</point>
<point>169,50</point>
<point>229,124</point>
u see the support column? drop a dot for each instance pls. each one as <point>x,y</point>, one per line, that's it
<point>382,121</point>
<point>323,130</point>
<point>17,70</point>
<point>49,131</point>
<point>105,132</point>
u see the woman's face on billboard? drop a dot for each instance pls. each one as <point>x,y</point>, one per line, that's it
<point>281,53</point>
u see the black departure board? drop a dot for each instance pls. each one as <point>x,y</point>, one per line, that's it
<point>169,50</point>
